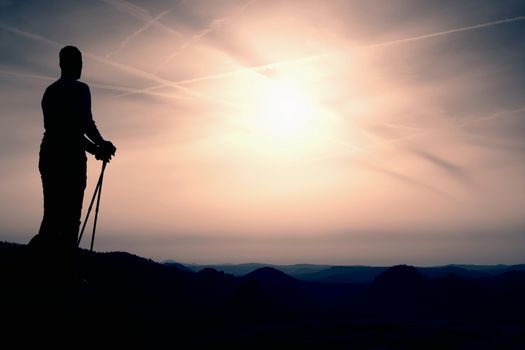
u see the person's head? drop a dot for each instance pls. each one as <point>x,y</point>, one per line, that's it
<point>70,62</point>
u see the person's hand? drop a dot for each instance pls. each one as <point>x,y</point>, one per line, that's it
<point>105,151</point>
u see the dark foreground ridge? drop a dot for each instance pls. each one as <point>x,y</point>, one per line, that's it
<point>118,299</point>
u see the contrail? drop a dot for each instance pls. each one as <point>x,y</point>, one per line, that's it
<point>214,25</point>
<point>92,84</point>
<point>397,126</point>
<point>320,56</point>
<point>254,69</point>
<point>26,75</point>
<point>140,13</point>
<point>493,116</point>
<point>120,66</point>
<point>459,126</point>
<point>432,131</point>
<point>31,36</point>
<point>200,34</point>
<point>134,34</point>
<point>450,31</point>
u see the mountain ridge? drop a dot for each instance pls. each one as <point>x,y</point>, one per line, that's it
<point>134,301</point>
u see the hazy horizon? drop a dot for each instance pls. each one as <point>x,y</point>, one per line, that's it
<point>326,132</point>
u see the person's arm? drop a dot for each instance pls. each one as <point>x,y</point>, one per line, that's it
<point>90,128</point>
<point>103,150</point>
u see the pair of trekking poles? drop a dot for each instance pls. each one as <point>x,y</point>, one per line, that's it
<point>96,194</point>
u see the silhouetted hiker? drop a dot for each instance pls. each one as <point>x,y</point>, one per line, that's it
<point>66,106</point>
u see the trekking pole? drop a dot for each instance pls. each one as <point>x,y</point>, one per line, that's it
<point>97,190</point>
<point>101,178</point>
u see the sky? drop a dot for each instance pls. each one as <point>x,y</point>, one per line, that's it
<point>315,131</point>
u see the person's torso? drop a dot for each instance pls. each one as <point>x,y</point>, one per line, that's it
<point>63,106</point>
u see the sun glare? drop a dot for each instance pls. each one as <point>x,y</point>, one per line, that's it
<point>286,119</point>
<point>285,112</point>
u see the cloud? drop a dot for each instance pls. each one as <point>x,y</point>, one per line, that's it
<point>409,180</point>
<point>450,168</point>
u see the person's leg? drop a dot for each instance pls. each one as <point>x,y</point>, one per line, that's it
<point>63,199</point>
<point>51,186</point>
<point>71,208</point>
<point>76,184</point>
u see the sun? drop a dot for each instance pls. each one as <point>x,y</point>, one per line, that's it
<point>285,111</point>
<point>284,119</point>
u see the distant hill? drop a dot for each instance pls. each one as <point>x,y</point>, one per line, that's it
<point>344,274</point>
<point>444,271</point>
<point>243,269</point>
<point>122,300</point>
<point>352,274</point>
<point>269,275</point>
<point>492,269</point>
<point>178,265</point>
